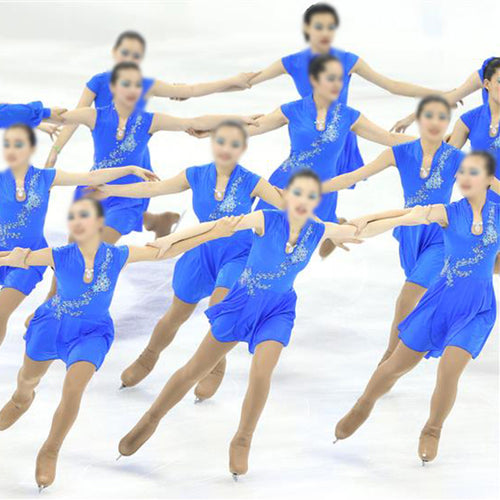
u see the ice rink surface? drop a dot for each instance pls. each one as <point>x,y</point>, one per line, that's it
<point>48,51</point>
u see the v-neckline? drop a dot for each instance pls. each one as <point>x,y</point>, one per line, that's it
<point>314,113</point>
<point>471,216</point>
<point>26,179</point>
<point>434,156</point>
<point>299,237</point>
<point>228,185</point>
<point>492,137</point>
<point>82,260</point>
<point>117,119</point>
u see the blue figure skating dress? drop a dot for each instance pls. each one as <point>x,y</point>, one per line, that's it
<point>314,149</point>
<point>460,308</point>
<point>478,122</point>
<point>421,251</point>
<point>297,66</point>
<point>122,214</point>
<point>217,263</point>
<point>22,222</point>
<point>30,114</point>
<point>261,305</point>
<point>100,85</point>
<point>75,324</point>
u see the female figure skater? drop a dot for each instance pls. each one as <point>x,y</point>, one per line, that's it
<point>259,310</point>
<point>75,325</point>
<point>482,124</point>
<point>320,22</point>
<point>474,82</point>
<point>456,315</point>
<point>131,47</point>
<point>427,168</point>
<point>319,125</point>
<point>24,199</point>
<point>220,188</point>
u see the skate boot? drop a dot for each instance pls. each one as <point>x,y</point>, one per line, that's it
<point>428,443</point>
<point>12,412</point>
<point>238,455</point>
<point>141,432</point>
<point>207,387</point>
<point>348,425</point>
<point>46,463</point>
<point>162,224</point>
<point>139,369</point>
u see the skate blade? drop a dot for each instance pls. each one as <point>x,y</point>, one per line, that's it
<point>235,477</point>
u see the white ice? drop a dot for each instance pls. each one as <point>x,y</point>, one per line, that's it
<point>48,51</point>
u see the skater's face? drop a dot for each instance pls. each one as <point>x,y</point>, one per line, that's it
<point>493,87</point>
<point>84,220</point>
<point>128,87</point>
<point>433,121</point>
<point>228,144</point>
<point>473,177</point>
<point>328,83</point>
<point>320,31</point>
<point>17,148</point>
<point>129,50</point>
<point>302,197</point>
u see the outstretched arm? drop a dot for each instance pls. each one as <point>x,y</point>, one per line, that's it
<point>80,116</point>
<point>175,184</point>
<point>266,123</point>
<point>372,132</point>
<point>274,70</point>
<point>162,121</point>
<point>397,87</point>
<point>384,160</point>
<point>86,100</point>
<point>165,248</point>
<point>101,176</point>
<point>268,193</point>
<point>24,258</point>
<point>185,91</point>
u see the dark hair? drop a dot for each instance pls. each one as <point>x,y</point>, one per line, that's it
<point>305,173</point>
<point>122,66</point>
<point>430,99</point>
<point>131,35</point>
<point>320,8</point>
<point>491,68</point>
<point>318,64</point>
<point>28,130</point>
<point>95,203</point>
<point>490,163</point>
<point>233,124</point>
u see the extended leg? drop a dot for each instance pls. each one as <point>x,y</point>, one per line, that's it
<point>208,354</point>
<point>264,361</point>
<point>401,361</point>
<point>75,382</point>
<point>9,302</point>
<point>28,378</point>
<point>451,367</point>
<point>160,224</point>
<point>409,297</point>
<point>208,386</point>
<point>163,334</point>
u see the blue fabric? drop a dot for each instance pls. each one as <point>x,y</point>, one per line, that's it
<point>261,305</point>
<point>75,324</point>
<point>217,263</point>
<point>30,114</point>
<point>460,308</point>
<point>100,85</point>
<point>110,152</point>
<point>297,66</point>
<point>22,223</point>
<point>317,150</point>
<point>421,250</point>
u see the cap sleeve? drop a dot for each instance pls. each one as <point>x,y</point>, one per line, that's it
<point>290,63</point>
<point>350,60</point>
<point>288,110</point>
<point>192,176</point>
<point>469,118</point>
<point>59,256</point>
<point>123,253</point>
<point>252,180</point>
<point>399,152</point>
<point>353,115</point>
<point>147,83</point>
<point>49,175</point>
<point>451,212</point>
<point>94,84</point>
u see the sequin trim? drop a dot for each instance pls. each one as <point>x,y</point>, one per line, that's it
<point>297,161</point>
<point>228,205</point>
<point>257,281</point>
<point>11,230</point>
<point>434,181</point>
<point>458,269</point>
<point>122,148</point>
<point>74,307</point>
